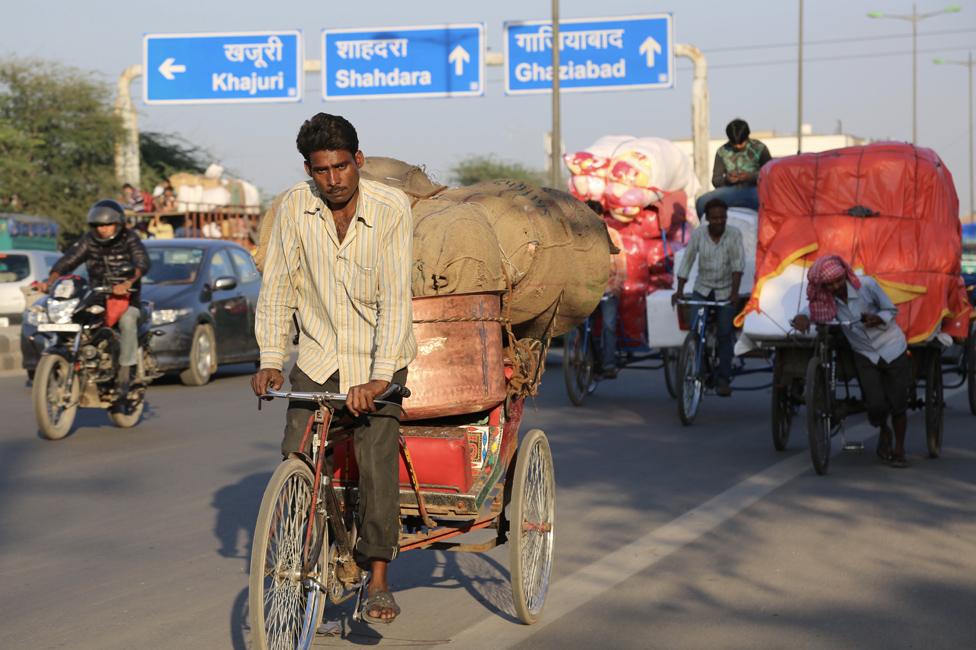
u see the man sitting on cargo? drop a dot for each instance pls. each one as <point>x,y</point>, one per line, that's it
<point>880,350</point>
<point>340,257</point>
<point>721,261</point>
<point>736,169</point>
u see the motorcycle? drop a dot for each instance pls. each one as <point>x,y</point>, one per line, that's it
<point>79,364</point>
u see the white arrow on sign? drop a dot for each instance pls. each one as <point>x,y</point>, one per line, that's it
<point>459,56</point>
<point>169,66</point>
<point>650,47</point>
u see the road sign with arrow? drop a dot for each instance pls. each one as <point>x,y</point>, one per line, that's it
<point>230,67</point>
<point>403,62</point>
<point>595,54</point>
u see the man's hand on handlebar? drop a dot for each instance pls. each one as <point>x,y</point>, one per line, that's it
<point>360,398</point>
<point>265,379</point>
<point>675,297</point>
<point>801,322</point>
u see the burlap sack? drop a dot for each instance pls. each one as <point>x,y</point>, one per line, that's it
<point>413,180</point>
<point>454,250</point>
<point>551,244</point>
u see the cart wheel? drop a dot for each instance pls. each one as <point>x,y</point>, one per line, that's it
<point>782,415</point>
<point>969,356</point>
<point>691,385</point>
<point>532,526</point>
<point>818,415</point>
<point>577,365</point>
<point>284,612</point>
<point>670,359</point>
<point>934,406</point>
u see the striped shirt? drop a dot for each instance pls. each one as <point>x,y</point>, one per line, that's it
<point>352,298</point>
<point>716,262</point>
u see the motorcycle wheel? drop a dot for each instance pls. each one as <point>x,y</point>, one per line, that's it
<point>127,420</point>
<point>54,420</point>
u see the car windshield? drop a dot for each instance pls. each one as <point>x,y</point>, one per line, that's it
<point>176,265</point>
<point>13,268</point>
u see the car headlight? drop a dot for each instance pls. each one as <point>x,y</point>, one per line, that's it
<point>166,316</point>
<point>60,311</point>
<point>35,315</point>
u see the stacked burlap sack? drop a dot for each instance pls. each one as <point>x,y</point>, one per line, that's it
<point>541,248</point>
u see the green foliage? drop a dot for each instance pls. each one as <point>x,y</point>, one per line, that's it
<point>475,169</point>
<point>57,131</point>
<point>164,154</point>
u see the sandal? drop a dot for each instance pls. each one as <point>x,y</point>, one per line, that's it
<point>379,601</point>
<point>899,462</point>
<point>883,449</point>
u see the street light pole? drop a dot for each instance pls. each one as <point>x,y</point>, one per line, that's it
<point>799,85</point>
<point>972,177</point>
<point>914,18</point>
<point>555,144</point>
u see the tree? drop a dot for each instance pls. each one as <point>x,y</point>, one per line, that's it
<point>475,169</point>
<point>57,131</point>
<point>163,154</point>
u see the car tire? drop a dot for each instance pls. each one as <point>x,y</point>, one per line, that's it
<point>203,357</point>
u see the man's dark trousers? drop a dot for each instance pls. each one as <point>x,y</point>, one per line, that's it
<point>377,451</point>
<point>726,342</point>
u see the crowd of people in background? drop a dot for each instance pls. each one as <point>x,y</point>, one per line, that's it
<point>159,217</point>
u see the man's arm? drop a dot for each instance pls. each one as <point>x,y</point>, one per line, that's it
<point>737,261</point>
<point>718,172</point>
<point>886,310</point>
<point>394,309</point>
<point>278,299</point>
<point>140,257</point>
<point>68,262</point>
<point>691,253</point>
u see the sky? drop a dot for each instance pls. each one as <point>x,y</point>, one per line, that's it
<point>857,76</point>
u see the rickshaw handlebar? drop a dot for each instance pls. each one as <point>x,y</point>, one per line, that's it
<point>325,396</point>
<point>704,303</point>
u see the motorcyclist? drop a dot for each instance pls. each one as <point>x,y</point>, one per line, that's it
<point>109,250</point>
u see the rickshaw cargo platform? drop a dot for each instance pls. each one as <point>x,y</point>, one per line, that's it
<point>459,367</point>
<point>889,209</point>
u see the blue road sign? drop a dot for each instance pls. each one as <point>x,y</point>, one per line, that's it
<point>403,62</point>
<point>232,67</point>
<point>594,54</point>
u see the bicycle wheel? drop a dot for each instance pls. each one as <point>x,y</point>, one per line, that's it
<point>819,427</point>
<point>970,361</point>
<point>577,364</point>
<point>934,406</point>
<point>532,526</point>
<point>782,416</point>
<point>690,383</point>
<point>284,609</point>
<point>781,407</point>
<point>670,359</point>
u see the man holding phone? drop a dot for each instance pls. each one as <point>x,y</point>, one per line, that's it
<point>866,316</point>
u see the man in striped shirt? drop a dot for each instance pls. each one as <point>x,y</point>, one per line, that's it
<point>721,262</point>
<point>340,257</point>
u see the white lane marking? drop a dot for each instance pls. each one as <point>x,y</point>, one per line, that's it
<point>597,578</point>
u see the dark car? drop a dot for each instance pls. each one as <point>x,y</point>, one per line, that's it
<point>203,294</point>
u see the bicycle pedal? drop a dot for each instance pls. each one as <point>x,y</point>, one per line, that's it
<point>329,628</point>
<point>854,446</point>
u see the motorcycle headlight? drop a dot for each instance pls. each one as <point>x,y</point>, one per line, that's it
<point>35,315</point>
<point>60,311</point>
<point>166,316</point>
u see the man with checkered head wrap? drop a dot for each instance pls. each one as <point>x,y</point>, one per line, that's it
<point>867,317</point>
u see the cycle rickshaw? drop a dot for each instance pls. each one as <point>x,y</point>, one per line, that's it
<point>698,362</point>
<point>463,468</point>
<point>891,211</point>
<point>582,369</point>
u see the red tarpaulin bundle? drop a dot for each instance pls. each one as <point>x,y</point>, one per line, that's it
<point>889,209</point>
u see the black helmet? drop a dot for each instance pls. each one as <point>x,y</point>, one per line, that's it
<point>104,213</point>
